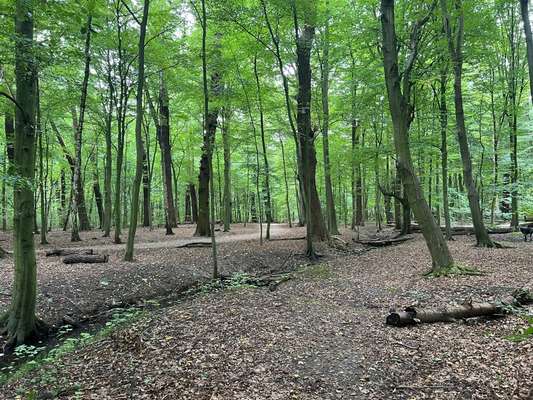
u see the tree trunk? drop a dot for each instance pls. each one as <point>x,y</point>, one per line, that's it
<point>287,202</point>
<point>21,320</point>
<point>226,140</point>
<point>108,156</point>
<point>402,113</point>
<point>166,154</point>
<point>443,116</point>
<point>316,227</point>
<point>524,7</point>
<point>268,200</point>
<point>456,53</point>
<point>128,256</point>
<point>42,189</point>
<point>331,214</point>
<point>147,209</point>
<point>78,140</point>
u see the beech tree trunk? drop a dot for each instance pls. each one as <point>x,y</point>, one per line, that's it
<point>268,200</point>
<point>331,213</point>
<point>166,154</point>
<point>316,228</point>
<point>443,116</point>
<point>139,147</point>
<point>402,114</point>
<point>226,140</point>
<point>108,155</point>
<point>21,320</point>
<point>78,140</point>
<point>287,202</point>
<point>524,7</point>
<point>456,54</point>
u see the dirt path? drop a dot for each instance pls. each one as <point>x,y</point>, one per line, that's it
<point>252,233</point>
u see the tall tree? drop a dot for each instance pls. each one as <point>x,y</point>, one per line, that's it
<point>316,227</point>
<point>524,8</point>
<point>166,153</point>
<point>455,47</point>
<point>78,134</point>
<point>21,321</point>
<point>128,256</point>
<point>399,89</point>
<point>331,214</point>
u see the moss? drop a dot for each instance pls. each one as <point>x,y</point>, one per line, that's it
<point>454,270</point>
<point>316,271</point>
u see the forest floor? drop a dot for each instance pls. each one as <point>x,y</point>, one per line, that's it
<point>320,335</point>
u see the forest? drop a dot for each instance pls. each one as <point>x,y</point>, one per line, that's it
<point>266,199</point>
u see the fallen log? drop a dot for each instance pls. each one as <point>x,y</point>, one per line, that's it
<point>86,259</point>
<point>466,230</point>
<point>287,238</point>
<point>411,315</point>
<point>67,252</point>
<point>383,242</point>
<point>194,245</point>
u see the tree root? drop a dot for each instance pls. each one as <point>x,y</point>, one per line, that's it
<point>40,331</point>
<point>454,270</point>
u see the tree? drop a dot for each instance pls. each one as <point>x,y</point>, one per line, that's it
<point>524,8</point>
<point>455,47</point>
<point>21,322</point>
<point>331,214</point>
<point>128,256</point>
<point>398,89</point>
<point>78,138</point>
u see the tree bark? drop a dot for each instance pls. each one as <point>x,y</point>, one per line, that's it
<point>402,114</point>
<point>108,155</point>
<point>78,140</point>
<point>287,202</point>
<point>226,143</point>
<point>443,117</point>
<point>268,200</point>
<point>139,147</point>
<point>456,54</point>
<point>524,8</point>
<point>166,154</point>
<point>21,320</point>
<point>331,213</point>
<point>316,228</point>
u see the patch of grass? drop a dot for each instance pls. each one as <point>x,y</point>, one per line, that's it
<point>28,358</point>
<point>454,270</point>
<point>238,280</point>
<point>523,333</point>
<point>315,271</point>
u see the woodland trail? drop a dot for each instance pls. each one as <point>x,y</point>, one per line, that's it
<point>173,241</point>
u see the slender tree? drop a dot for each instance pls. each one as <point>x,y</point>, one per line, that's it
<point>524,8</point>
<point>455,47</point>
<point>128,256</point>
<point>398,89</point>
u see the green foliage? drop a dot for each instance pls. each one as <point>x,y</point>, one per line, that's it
<point>524,333</point>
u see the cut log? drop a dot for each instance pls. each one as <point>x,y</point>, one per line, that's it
<point>411,315</point>
<point>86,258</point>
<point>194,245</point>
<point>67,252</point>
<point>384,242</point>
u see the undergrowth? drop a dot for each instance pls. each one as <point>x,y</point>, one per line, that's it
<point>28,358</point>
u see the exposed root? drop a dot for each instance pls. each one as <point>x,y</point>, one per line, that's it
<point>453,270</point>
